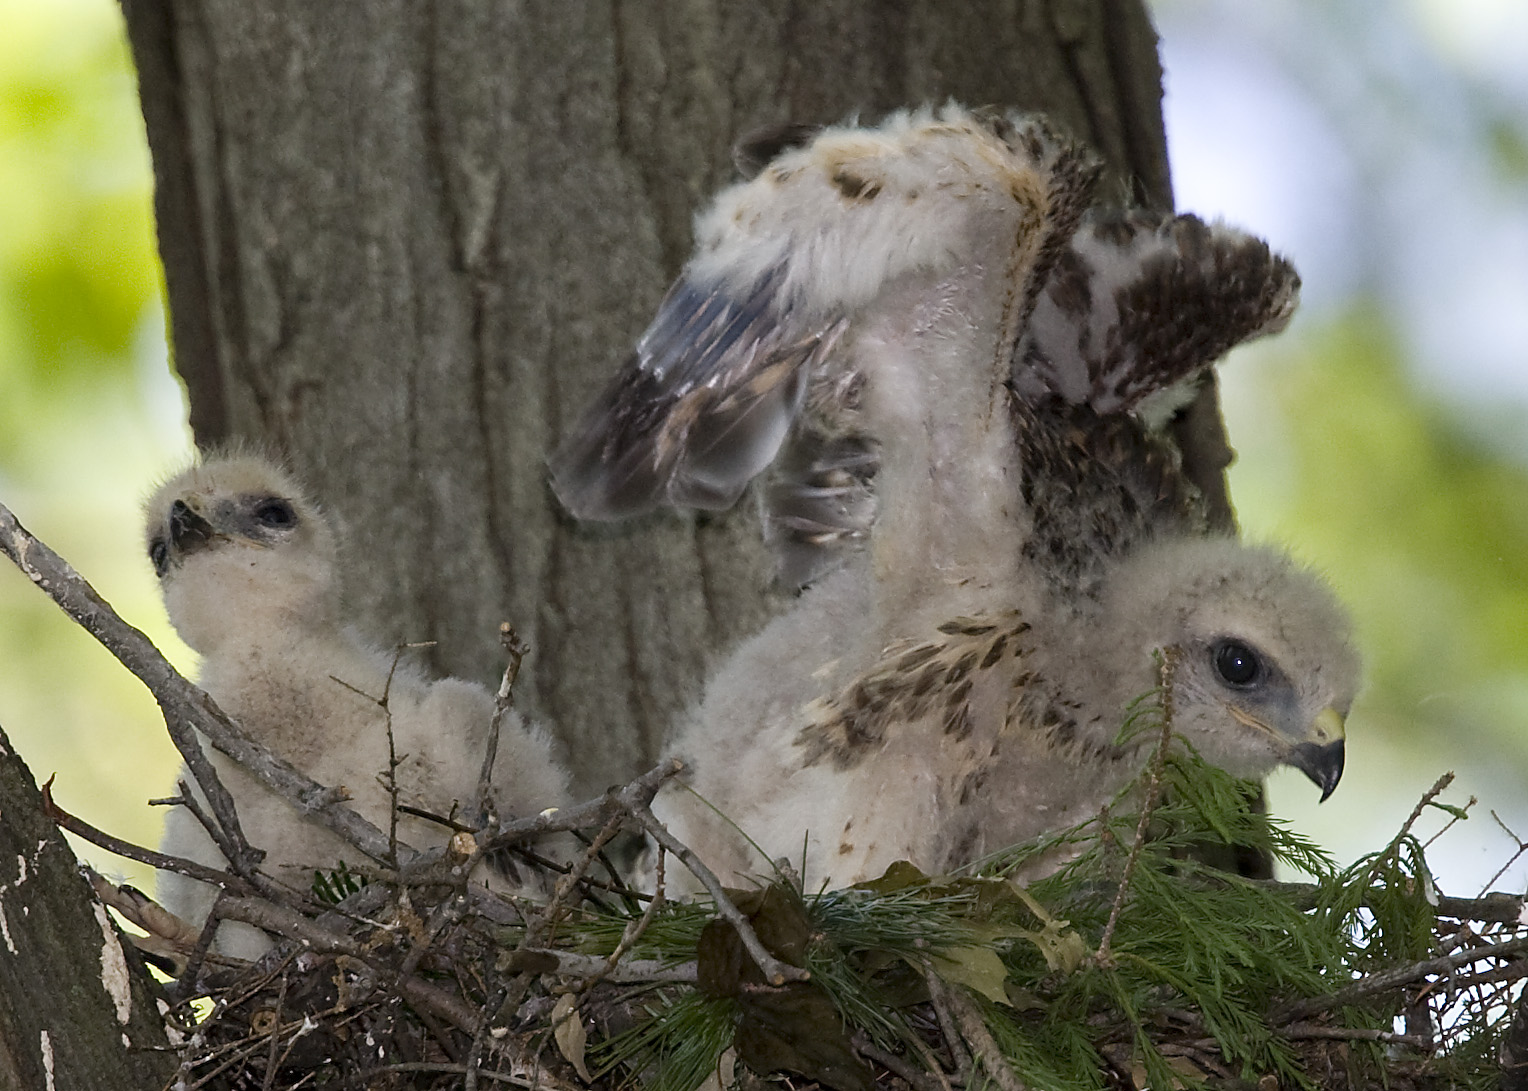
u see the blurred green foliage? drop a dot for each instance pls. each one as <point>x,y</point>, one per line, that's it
<point>77,260</point>
<point>84,394</point>
<point>1421,525</point>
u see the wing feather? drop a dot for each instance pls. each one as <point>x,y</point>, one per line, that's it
<point>820,503</point>
<point>910,681</point>
<point>700,407</point>
<point>1140,301</point>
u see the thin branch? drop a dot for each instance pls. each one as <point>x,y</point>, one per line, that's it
<point>588,882</point>
<point>515,649</point>
<point>545,863</point>
<point>542,1079</point>
<point>443,916</point>
<point>540,925</point>
<point>188,800</point>
<point>513,990</point>
<point>389,780</point>
<point>256,884</point>
<point>984,1048</point>
<point>129,851</point>
<point>939,1000</point>
<point>1353,1034</point>
<point>633,930</point>
<point>1494,908</point>
<point>919,1081</point>
<point>616,883</point>
<point>1411,820</point>
<point>275,1034</point>
<point>1454,819</point>
<point>775,972</point>
<point>392,759</point>
<point>1522,847</point>
<point>548,960</point>
<point>935,1069</point>
<point>593,813</point>
<point>177,698</point>
<point>491,1008</point>
<point>1385,980</point>
<point>286,922</point>
<point>1515,970</point>
<point>187,981</point>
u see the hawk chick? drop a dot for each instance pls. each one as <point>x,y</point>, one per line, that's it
<point>249,569</point>
<point>943,742</point>
<point>958,370</point>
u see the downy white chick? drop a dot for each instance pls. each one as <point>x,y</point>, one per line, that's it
<point>249,568</point>
<point>957,368</point>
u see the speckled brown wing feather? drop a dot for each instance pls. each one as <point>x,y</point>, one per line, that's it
<point>913,681</point>
<point>1140,301</point>
<point>1096,486</point>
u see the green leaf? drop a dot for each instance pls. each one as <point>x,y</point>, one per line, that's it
<point>977,968</point>
<point>898,877</point>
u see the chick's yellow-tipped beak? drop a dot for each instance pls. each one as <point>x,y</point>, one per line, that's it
<point>1321,755</point>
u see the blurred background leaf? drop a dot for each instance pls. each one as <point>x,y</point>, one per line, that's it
<point>89,413</point>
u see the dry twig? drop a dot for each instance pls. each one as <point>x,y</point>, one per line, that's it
<point>184,706</point>
<point>1385,980</point>
<point>515,650</point>
<point>984,1048</point>
<point>775,972</point>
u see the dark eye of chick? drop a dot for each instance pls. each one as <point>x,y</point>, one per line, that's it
<point>1237,664</point>
<point>159,556</point>
<point>275,513</point>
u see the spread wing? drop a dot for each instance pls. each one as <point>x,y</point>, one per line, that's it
<point>1135,310</point>
<point>1141,301</point>
<point>700,407</point>
<point>787,266</point>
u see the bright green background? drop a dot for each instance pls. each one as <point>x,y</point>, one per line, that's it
<point>1419,521</point>
<point>89,415</point>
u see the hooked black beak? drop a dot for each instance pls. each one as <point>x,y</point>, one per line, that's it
<point>1320,755</point>
<point>188,530</point>
<point>1322,762</point>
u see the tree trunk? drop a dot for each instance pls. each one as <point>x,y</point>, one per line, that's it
<point>405,242</point>
<point>76,1008</point>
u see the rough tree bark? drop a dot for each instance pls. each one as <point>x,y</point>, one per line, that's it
<point>76,1011</point>
<point>405,242</point>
